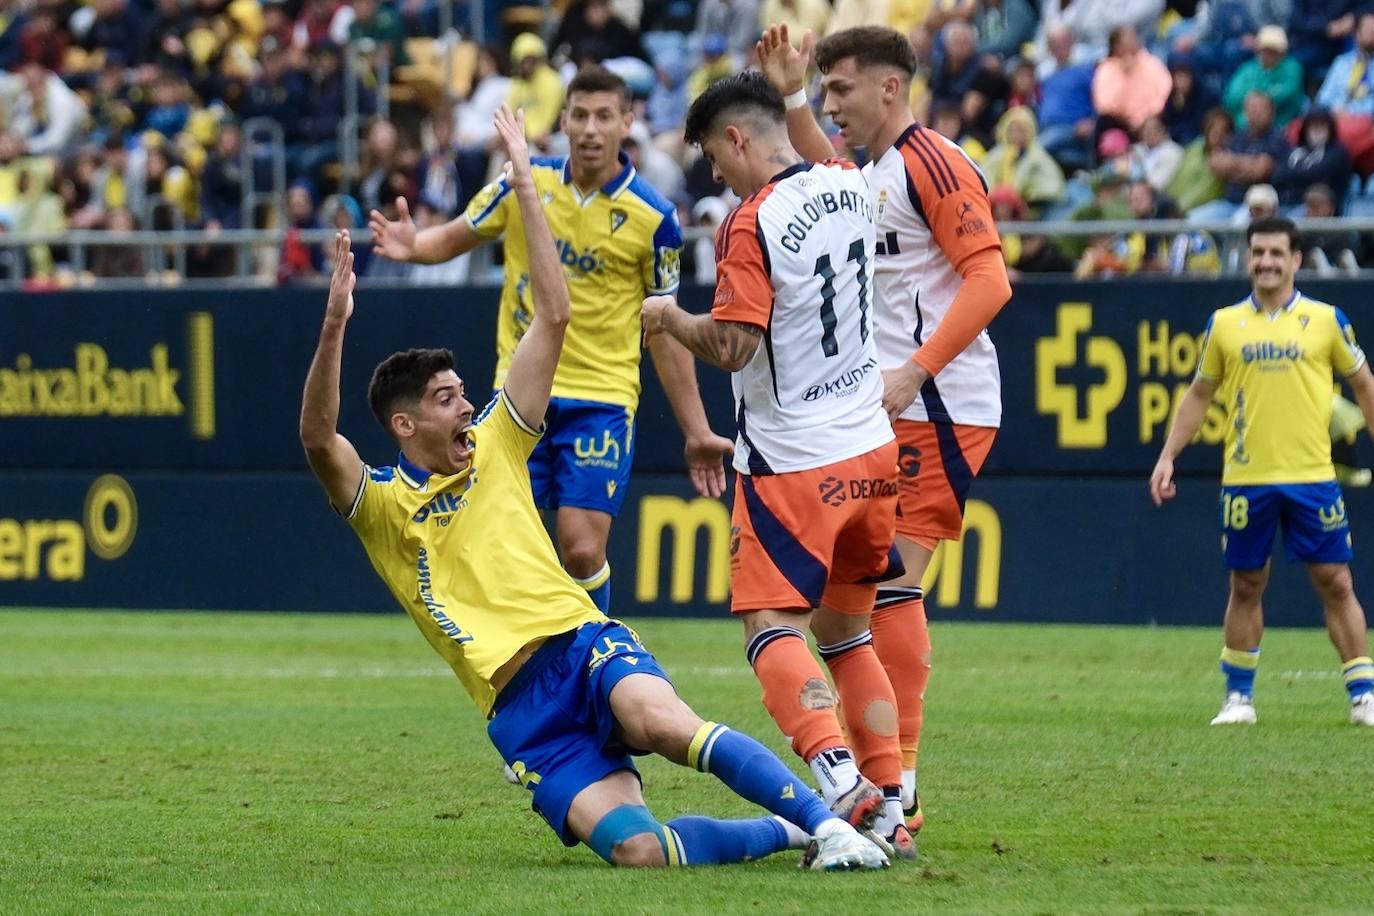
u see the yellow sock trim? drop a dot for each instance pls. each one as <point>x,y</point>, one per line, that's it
<point>596,579</point>
<point>698,744</point>
<point>1358,669</point>
<point>1239,658</point>
<point>670,846</point>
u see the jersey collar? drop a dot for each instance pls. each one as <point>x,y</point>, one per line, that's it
<point>620,182</point>
<point>415,477</point>
<point>790,171</point>
<point>1287,306</point>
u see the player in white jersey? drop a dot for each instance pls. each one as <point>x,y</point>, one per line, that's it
<point>939,281</point>
<point>816,494</point>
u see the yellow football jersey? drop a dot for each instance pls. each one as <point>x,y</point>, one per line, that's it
<point>1274,375</point>
<point>618,244</point>
<point>467,555</point>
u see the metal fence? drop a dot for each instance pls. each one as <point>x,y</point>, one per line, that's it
<point>165,254</point>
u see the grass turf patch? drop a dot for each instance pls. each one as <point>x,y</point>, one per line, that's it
<point>168,762</point>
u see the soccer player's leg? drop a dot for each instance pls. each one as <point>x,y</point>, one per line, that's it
<point>1249,517</point>
<point>595,451</point>
<point>937,463</point>
<point>777,575</point>
<point>1316,530</point>
<point>637,707</point>
<point>864,555</point>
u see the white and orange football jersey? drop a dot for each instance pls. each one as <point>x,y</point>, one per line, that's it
<point>796,260</point>
<point>930,209</point>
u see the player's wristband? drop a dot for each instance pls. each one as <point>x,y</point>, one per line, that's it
<point>796,100</point>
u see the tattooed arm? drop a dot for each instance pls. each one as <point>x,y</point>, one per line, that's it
<point>726,344</point>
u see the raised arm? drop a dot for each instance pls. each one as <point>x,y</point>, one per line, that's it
<point>530,378</point>
<point>331,456</point>
<point>785,67</point>
<point>399,240</point>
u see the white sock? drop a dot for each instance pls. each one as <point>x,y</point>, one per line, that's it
<point>833,826</point>
<point>835,772</point>
<point>797,838</point>
<point>891,818</point>
<point>908,789</point>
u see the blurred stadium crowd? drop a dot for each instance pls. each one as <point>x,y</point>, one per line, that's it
<point>206,114</point>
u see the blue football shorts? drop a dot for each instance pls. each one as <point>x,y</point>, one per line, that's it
<point>553,724</point>
<point>1313,517</point>
<point>584,457</point>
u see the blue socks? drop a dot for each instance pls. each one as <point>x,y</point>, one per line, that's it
<point>1359,676</point>
<point>707,841</point>
<point>1239,666</point>
<point>598,586</point>
<point>754,772</point>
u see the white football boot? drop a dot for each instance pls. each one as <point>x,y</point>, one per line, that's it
<point>1362,710</point>
<point>1237,710</point>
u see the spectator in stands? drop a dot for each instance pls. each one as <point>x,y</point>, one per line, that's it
<point>1055,45</point>
<point>1156,157</point>
<point>1249,158</point>
<point>299,260</point>
<point>949,123</point>
<point>276,93</point>
<point>1094,21</point>
<point>1189,100</point>
<point>1326,250</point>
<point>1195,183</point>
<point>715,64</point>
<point>438,175</point>
<point>37,210</point>
<point>125,261</point>
<point>535,88</point>
<point>1261,202</point>
<point>1319,30</point>
<point>381,157</point>
<point>1023,89</point>
<point>737,20</point>
<point>474,126</point>
<point>164,40</point>
<point>666,109</point>
<point>590,29</point>
<point>1272,72</point>
<point>13,21</point>
<point>321,21</point>
<point>276,23</point>
<point>42,111</point>
<point>380,25</point>
<point>42,40</point>
<point>1348,93</point>
<point>1019,162</point>
<point>171,105</point>
<point>114,25</point>
<point>800,16</point>
<point>1317,159</point>
<point>956,66</point>
<point>1003,26</point>
<point>1024,253</point>
<point>1131,84</point>
<point>313,133</point>
<point>222,184</point>
<point>1067,116</point>
<point>708,213</point>
<point>1224,32</point>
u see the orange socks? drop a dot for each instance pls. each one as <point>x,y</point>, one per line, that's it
<point>901,638</point>
<point>869,707</point>
<point>795,691</point>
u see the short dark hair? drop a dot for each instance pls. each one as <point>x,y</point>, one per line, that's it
<point>599,79</point>
<point>401,378</point>
<point>1273,225</point>
<point>749,90</point>
<point>870,46</point>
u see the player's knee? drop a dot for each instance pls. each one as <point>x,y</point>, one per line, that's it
<point>629,836</point>
<point>644,850</point>
<point>666,726</point>
<point>584,556</point>
<point>1333,583</point>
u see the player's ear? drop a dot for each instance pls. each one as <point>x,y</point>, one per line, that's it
<point>402,426</point>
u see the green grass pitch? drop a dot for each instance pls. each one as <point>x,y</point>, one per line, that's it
<point>241,763</point>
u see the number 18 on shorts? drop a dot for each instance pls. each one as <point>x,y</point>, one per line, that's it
<point>1312,515</point>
